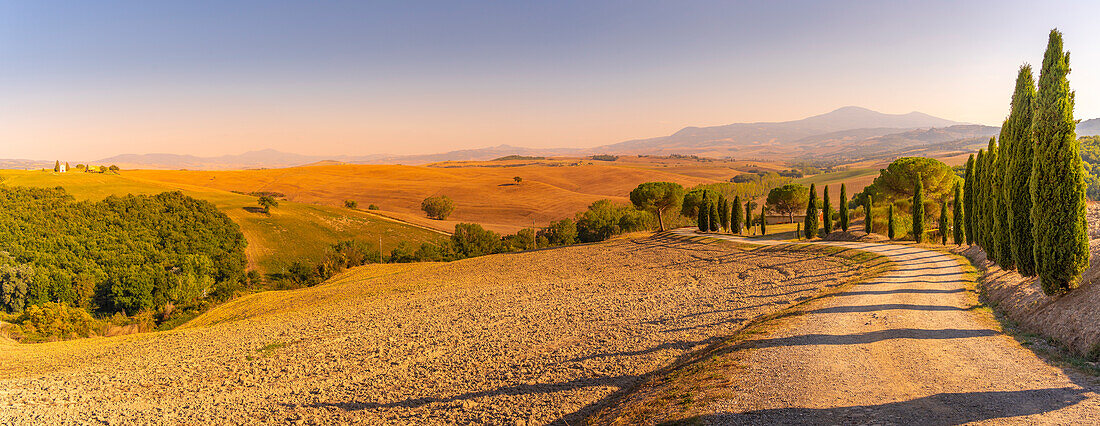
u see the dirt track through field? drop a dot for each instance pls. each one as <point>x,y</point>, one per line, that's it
<point>904,348</point>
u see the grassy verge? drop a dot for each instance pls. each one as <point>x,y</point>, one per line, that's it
<point>1049,349</point>
<point>667,395</point>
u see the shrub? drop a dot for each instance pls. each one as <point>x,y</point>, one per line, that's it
<point>471,240</point>
<point>438,207</point>
<point>51,321</point>
<point>603,219</point>
<point>372,207</point>
<point>559,233</point>
<point>351,204</point>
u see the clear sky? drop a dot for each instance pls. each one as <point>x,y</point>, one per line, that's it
<point>91,79</point>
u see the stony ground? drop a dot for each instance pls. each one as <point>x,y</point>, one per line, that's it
<point>528,338</point>
<point>907,347</point>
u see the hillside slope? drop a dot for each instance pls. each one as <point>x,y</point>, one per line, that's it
<point>485,195</point>
<point>292,232</point>
<point>523,338</point>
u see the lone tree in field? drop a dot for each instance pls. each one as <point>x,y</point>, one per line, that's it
<point>714,219</point>
<point>957,215</point>
<point>811,215</point>
<point>788,199</point>
<point>438,207</point>
<point>890,222</point>
<point>968,201</point>
<point>1002,237</point>
<point>843,208</point>
<point>943,223</point>
<point>736,215</point>
<point>657,197</point>
<point>1017,184</point>
<point>518,179</point>
<point>918,211</point>
<point>267,202</point>
<point>826,212</point>
<point>1057,183</point>
<point>867,214</point>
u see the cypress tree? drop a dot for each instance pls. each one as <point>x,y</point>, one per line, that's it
<point>714,219</point>
<point>1002,238</point>
<point>1017,186</point>
<point>843,208</point>
<point>827,212</point>
<point>748,215</point>
<point>957,211</point>
<point>56,165</point>
<point>763,221</point>
<point>1060,232</point>
<point>704,219</point>
<point>918,211</point>
<point>968,200</point>
<point>723,213</point>
<point>890,222</point>
<point>978,204</point>
<point>989,204</point>
<point>735,215</point>
<point>810,230</point>
<point>867,214</point>
<point>943,222</point>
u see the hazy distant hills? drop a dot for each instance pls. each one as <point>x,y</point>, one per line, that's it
<point>846,134</point>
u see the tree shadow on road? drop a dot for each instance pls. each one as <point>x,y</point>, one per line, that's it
<point>883,307</point>
<point>938,409</point>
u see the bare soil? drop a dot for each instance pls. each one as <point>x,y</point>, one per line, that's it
<point>909,347</point>
<point>527,338</point>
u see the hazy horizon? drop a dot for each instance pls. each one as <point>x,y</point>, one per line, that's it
<point>204,78</point>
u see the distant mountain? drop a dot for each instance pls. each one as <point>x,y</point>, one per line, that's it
<point>1089,127</point>
<point>844,134</point>
<point>776,138</point>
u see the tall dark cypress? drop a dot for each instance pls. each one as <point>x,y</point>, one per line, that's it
<point>979,206</point>
<point>943,222</point>
<point>723,213</point>
<point>735,215</point>
<point>968,199</point>
<point>810,230</point>
<point>989,203</point>
<point>763,220</point>
<point>1017,187</point>
<point>890,222</point>
<point>826,212</point>
<point>1057,183</point>
<point>918,210</point>
<point>957,214</point>
<point>748,216</point>
<point>868,219</point>
<point>704,218</point>
<point>714,218</point>
<point>843,208</point>
<point>1002,238</point>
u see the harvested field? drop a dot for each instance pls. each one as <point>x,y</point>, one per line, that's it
<point>520,338</point>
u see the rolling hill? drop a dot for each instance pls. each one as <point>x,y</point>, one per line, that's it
<point>292,232</point>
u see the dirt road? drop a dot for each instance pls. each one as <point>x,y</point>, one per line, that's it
<point>905,348</point>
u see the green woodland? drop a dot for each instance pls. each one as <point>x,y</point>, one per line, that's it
<point>122,254</point>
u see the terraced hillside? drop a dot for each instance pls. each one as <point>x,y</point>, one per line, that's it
<point>522,338</point>
<point>292,232</point>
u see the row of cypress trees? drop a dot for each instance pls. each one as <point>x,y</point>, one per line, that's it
<point>1025,197</point>
<point>723,215</point>
<point>811,226</point>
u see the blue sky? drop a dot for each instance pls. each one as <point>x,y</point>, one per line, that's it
<point>86,80</point>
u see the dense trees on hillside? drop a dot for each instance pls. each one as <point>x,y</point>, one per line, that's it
<point>128,253</point>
